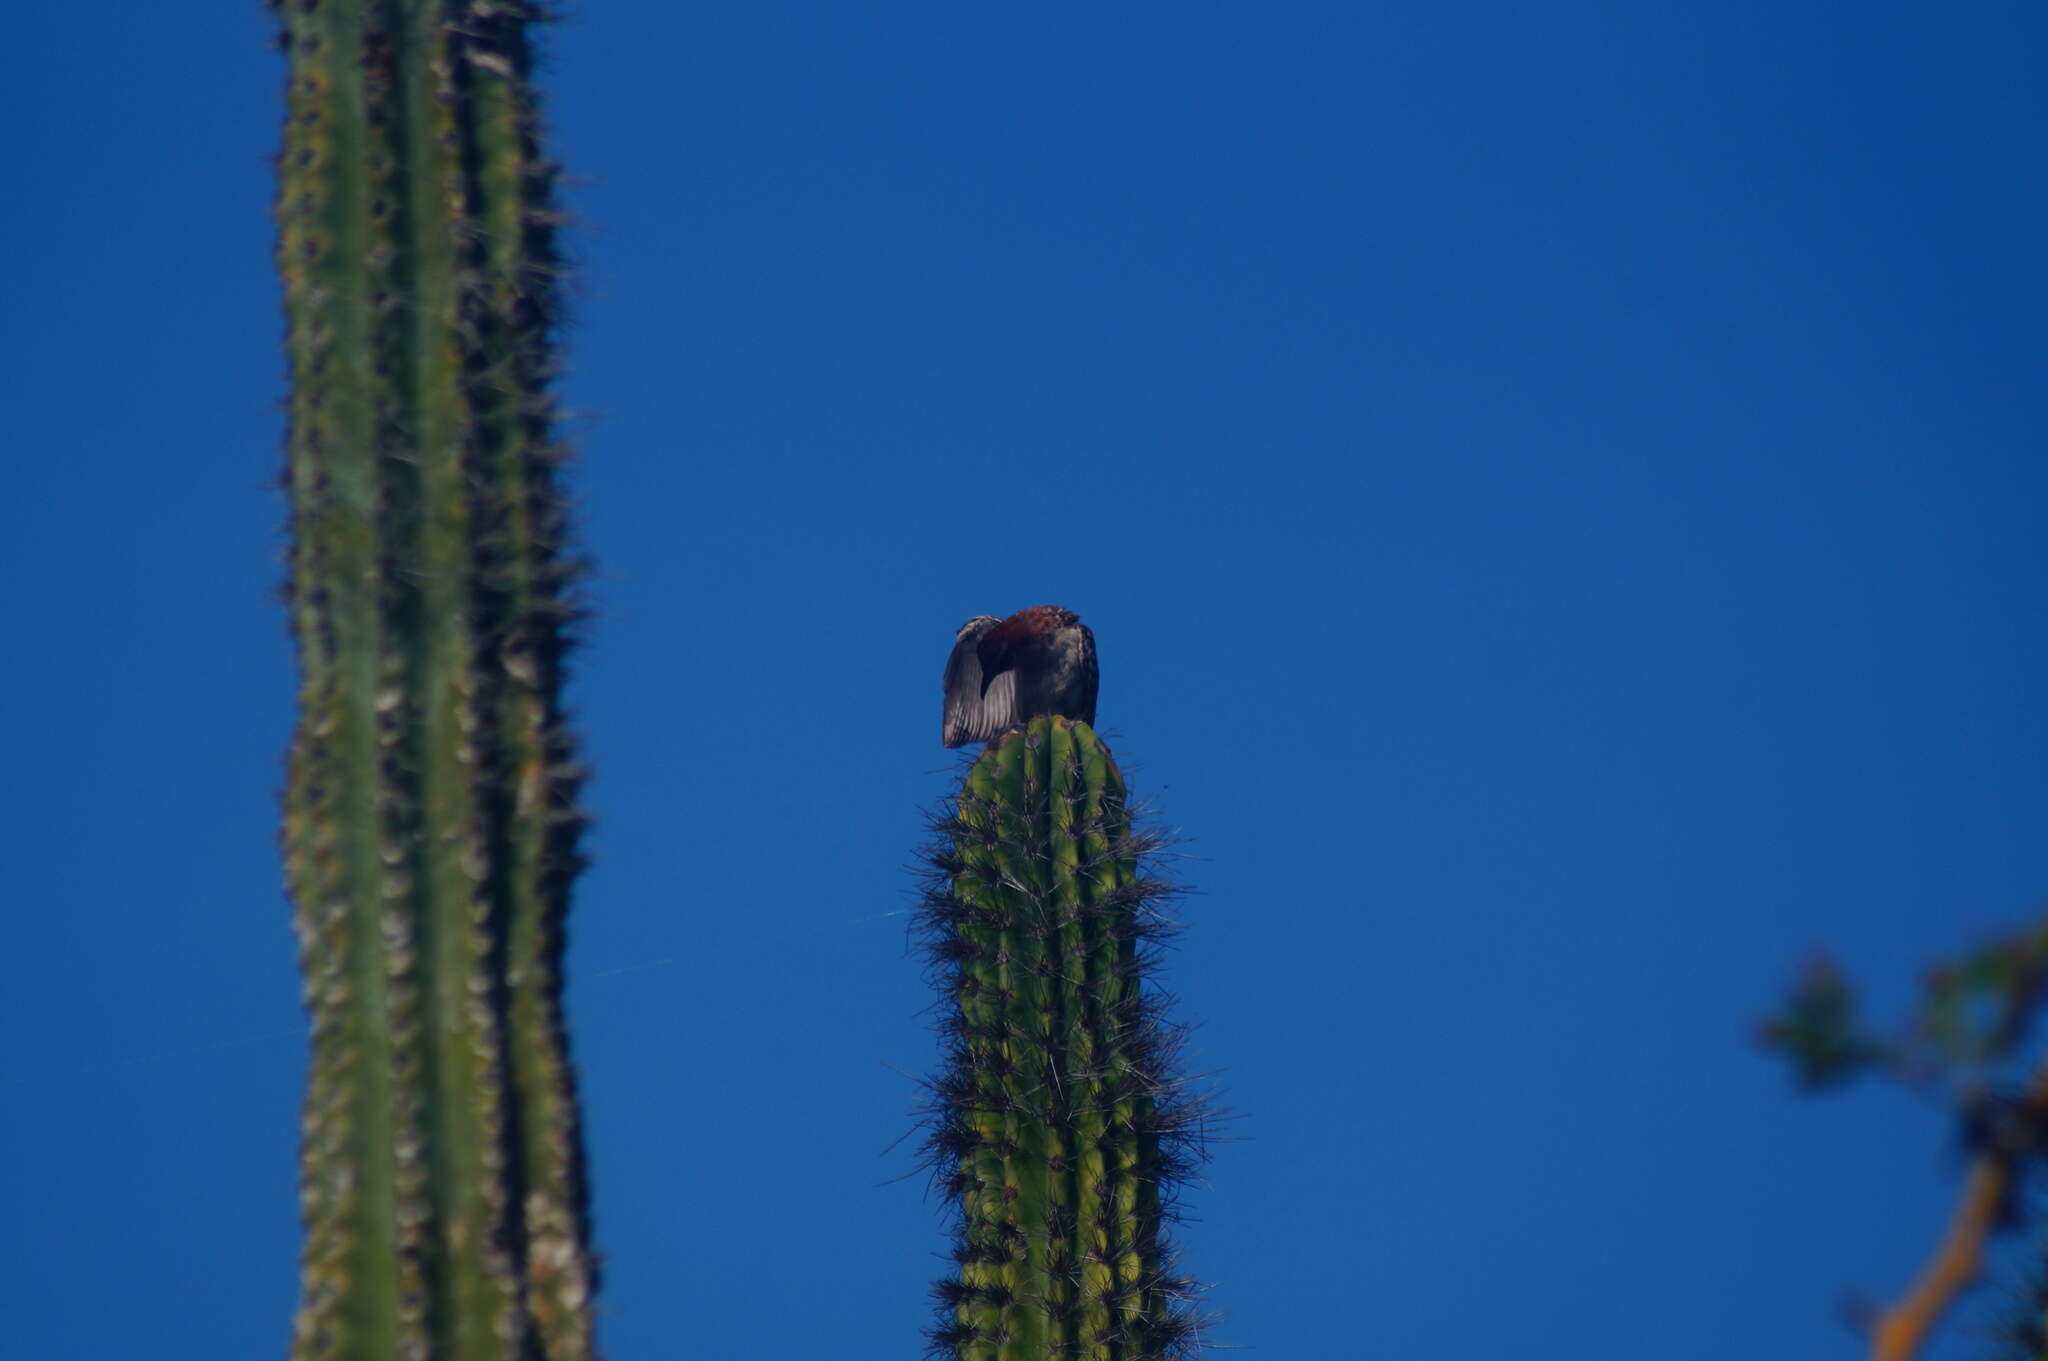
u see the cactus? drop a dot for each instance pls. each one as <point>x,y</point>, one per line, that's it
<point>1057,1128</point>
<point>430,827</point>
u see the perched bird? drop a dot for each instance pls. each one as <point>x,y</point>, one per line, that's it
<point>1005,672</point>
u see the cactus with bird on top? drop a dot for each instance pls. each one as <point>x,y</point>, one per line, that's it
<point>1059,1127</point>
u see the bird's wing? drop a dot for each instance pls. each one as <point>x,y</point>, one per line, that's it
<point>998,707</point>
<point>973,715</point>
<point>966,712</point>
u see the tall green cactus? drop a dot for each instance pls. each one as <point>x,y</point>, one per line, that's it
<point>1059,1129</point>
<point>430,828</point>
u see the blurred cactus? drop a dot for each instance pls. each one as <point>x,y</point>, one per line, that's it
<point>1059,1130</point>
<point>430,828</point>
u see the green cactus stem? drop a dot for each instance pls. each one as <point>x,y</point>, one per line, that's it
<point>430,828</point>
<point>1058,1128</point>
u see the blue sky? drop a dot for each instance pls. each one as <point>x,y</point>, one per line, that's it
<point>1558,491</point>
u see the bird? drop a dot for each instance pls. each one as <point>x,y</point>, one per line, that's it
<point>1005,672</point>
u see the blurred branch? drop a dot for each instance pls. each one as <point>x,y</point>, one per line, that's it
<point>1974,1014</point>
<point>1974,1018</point>
<point>1958,1258</point>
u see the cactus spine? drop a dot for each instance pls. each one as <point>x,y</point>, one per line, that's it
<point>430,827</point>
<point>1058,1129</point>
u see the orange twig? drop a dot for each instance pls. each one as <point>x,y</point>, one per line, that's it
<point>1960,1255</point>
<point>1902,1328</point>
